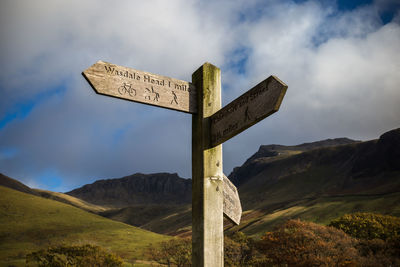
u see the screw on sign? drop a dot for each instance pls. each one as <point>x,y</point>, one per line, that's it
<point>211,126</point>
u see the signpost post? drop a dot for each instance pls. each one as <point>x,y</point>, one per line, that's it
<point>213,195</point>
<point>207,184</point>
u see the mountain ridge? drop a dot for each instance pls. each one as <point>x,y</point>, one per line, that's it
<point>316,181</point>
<point>137,189</point>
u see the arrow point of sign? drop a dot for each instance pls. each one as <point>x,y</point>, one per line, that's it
<point>87,78</point>
<point>282,94</point>
<point>259,102</point>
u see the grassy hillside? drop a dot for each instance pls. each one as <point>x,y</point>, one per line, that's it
<point>29,223</point>
<point>16,185</point>
<point>76,202</point>
<point>172,220</point>
<point>320,210</point>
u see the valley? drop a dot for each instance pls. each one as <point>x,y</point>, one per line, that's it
<point>316,182</point>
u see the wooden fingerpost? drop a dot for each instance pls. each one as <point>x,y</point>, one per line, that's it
<point>213,194</point>
<point>207,176</point>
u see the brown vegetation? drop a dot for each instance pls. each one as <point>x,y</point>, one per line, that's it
<point>295,243</point>
<point>298,243</point>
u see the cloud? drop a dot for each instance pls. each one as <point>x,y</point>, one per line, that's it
<point>341,67</point>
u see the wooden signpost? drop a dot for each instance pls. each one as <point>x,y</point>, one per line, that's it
<point>212,193</point>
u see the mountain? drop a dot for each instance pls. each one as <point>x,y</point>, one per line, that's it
<point>170,189</point>
<point>137,189</point>
<point>76,202</point>
<point>370,167</point>
<point>29,223</point>
<point>320,184</point>
<point>316,181</point>
<point>276,152</point>
<point>161,217</point>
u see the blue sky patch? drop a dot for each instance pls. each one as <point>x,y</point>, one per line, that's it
<point>237,60</point>
<point>51,179</point>
<point>22,109</point>
<point>346,5</point>
<point>8,153</point>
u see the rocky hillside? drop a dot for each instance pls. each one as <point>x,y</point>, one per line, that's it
<point>269,153</point>
<point>357,168</point>
<point>148,189</point>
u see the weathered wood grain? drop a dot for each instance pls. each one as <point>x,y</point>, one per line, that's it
<point>232,206</point>
<point>256,104</point>
<point>207,192</point>
<point>139,86</point>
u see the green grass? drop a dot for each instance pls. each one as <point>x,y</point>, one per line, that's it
<point>321,210</point>
<point>29,223</point>
<point>76,202</point>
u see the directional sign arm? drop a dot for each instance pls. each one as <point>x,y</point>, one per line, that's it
<point>232,206</point>
<point>143,87</point>
<point>256,104</point>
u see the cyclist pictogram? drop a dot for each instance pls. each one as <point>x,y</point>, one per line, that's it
<point>126,88</point>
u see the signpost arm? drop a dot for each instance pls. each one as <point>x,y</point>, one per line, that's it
<point>207,176</point>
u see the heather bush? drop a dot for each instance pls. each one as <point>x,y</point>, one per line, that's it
<point>238,250</point>
<point>176,252</point>
<point>76,256</point>
<point>377,252</point>
<point>298,243</point>
<point>368,225</point>
<point>295,243</point>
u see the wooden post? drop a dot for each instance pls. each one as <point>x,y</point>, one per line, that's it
<point>207,176</point>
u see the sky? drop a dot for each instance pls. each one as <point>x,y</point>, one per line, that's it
<point>340,59</point>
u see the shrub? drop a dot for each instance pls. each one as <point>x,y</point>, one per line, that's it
<point>86,255</point>
<point>377,252</point>
<point>368,225</point>
<point>298,243</point>
<point>176,252</point>
<point>238,250</point>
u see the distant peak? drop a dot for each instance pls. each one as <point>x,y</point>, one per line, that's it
<point>269,151</point>
<point>328,142</point>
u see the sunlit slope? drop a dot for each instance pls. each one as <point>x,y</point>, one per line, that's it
<point>79,203</point>
<point>28,223</point>
<point>172,220</point>
<point>320,210</point>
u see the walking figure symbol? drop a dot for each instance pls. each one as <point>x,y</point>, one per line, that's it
<point>175,98</point>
